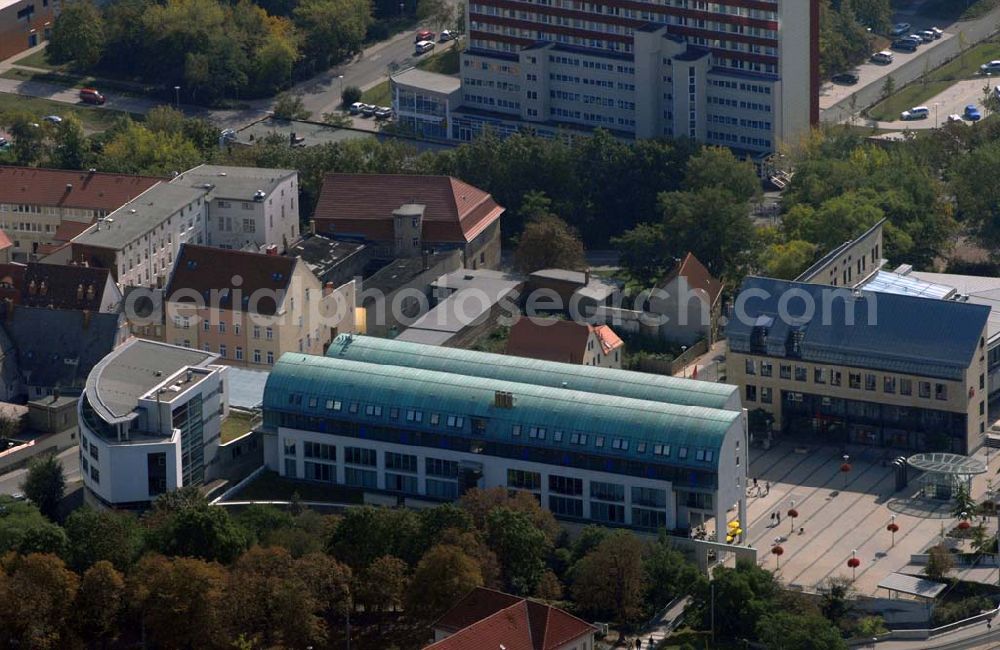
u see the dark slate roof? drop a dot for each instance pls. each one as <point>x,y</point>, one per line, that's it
<point>890,332</point>
<point>58,347</point>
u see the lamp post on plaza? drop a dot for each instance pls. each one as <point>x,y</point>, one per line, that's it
<point>853,563</point>
<point>177,97</point>
<point>845,469</point>
<point>792,514</point>
<point>892,528</point>
<point>777,551</point>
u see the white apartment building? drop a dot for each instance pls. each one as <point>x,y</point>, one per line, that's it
<point>248,208</point>
<point>150,419</point>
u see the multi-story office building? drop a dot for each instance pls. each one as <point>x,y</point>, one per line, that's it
<point>150,419</point>
<point>738,73</point>
<point>593,444</point>
<point>844,365</point>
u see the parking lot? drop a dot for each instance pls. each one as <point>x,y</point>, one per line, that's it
<point>840,513</point>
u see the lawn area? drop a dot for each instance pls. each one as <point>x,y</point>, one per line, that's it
<point>957,9</point>
<point>235,426</point>
<point>966,66</point>
<point>444,63</point>
<point>38,60</point>
<point>915,94</point>
<point>93,119</point>
<point>378,95</point>
<point>272,487</point>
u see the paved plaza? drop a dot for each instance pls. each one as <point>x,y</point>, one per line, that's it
<point>838,518</point>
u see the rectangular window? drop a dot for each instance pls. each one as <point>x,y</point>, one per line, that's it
<point>925,389</point>
<point>239,353</point>
<point>819,375</point>
<point>801,373</point>
<point>320,472</point>
<point>363,478</point>
<point>607,491</point>
<point>682,453</point>
<point>360,456</point>
<point>888,384</point>
<point>374,410</point>
<point>401,483</point>
<point>565,485</point>
<point>870,381</point>
<point>766,395</point>
<point>523,480</point>
<point>646,518</point>
<point>785,371</point>
<point>563,507</point>
<point>352,407</point>
<point>607,512</point>
<point>413,415</point>
<point>536,432</point>
<point>766,369</point>
<point>441,489</point>
<point>854,380</point>
<point>751,367</point>
<point>435,418</point>
<point>941,391</point>
<point>835,379</point>
<point>751,393</point>
<point>442,468</point>
<point>401,462</point>
<point>319,451</point>
<point>291,468</point>
<point>256,356</point>
<point>905,386</point>
<point>650,497</point>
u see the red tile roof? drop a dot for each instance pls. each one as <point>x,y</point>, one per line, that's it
<point>362,205</point>
<point>697,277</point>
<point>205,269</point>
<point>491,620</point>
<point>552,339</point>
<point>51,187</point>
<point>67,230</point>
<point>5,241</point>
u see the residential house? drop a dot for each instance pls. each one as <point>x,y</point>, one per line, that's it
<point>486,618</point>
<point>553,339</point>
<point>56,286</point>
<point>249,208</point>
<point>406,215</point>
<point>35,202</point>
<point>688,303</point>
<point>253,307</point>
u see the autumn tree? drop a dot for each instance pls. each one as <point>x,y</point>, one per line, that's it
<point>479,503</point>
<point>443,575</point>
<point>382,584</point>
<point>77,35</point>
<point>547,241</point>
<point>36,597</point>
<point>100,602</point>
<point>179,601</point>
<point>135,149</point>
<point>608,581</point>
<point>786,261</point>
<point>939,563</point>
<point>549,587</point>
<point>45,484</point>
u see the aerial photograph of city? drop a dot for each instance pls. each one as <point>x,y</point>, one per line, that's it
<point>499,324</point>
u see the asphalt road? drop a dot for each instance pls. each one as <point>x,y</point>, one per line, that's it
<point>10,483</point>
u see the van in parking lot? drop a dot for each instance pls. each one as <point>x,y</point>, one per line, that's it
<point>916,113</point>
<point>884,57</point>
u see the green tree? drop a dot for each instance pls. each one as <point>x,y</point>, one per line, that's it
<point>712,223</point>
<point>718,168</point>
<point>137,150</point>
<point>837,599</point>
<point>869,626</point>
<point>72,148</point>
<point>609,580</point>
<point>382,584</point>
<point>837,220</point>
<point>36,595</point>
<point>643,251</point>
<point>103,535</point>
<point>28,145</point>
<point>520,546</point>
<point>747,593</point>
<point>77,36</point>
<point>888,86</point>
<point>290,107</point>
<point>366,533</point>
<point>964,504</point>
<point>548,242</point>
<point>439,14</point>
<point>99,605</point>
<point>787,631</point>
<point>350,95</point>
<point>45,485</point>
<point>193,528</point>
<point>668,575</point>
<point>939,563</point>
<point>333,29</point>
<point>786,261</point>
<point>480,503</point>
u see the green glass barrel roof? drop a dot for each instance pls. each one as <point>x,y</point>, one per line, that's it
<point>308,385</point>
<point>607,381</point>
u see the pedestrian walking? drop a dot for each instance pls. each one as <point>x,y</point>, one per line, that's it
<point>778,515</point>
<point>767,488</point>
<point>772,519</point>
<point>755,482</point>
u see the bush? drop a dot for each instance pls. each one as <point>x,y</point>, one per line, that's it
<point>350,95</point>
<point>946,613</point>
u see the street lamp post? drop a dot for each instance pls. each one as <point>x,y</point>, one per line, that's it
<point>177,97</point>
<point>936,104</point>
<point>845,469</point>
<point>792,514</point>
<point>340,86</point>
<point>892,528</point>
<point>777,551</point>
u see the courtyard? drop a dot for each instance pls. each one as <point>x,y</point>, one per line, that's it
<point>841,513</point>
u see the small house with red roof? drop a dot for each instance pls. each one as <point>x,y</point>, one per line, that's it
<point>553,339</point>
<point>407,215</point>
<point>690,300</point>
<point>489,619</point>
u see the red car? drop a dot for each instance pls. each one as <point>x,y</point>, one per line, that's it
<point>91,96</point>
<point>424,35</point>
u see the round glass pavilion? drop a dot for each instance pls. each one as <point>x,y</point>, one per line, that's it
<point>943,473</point>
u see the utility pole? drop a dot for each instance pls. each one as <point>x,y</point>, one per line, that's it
<point>712,588</point>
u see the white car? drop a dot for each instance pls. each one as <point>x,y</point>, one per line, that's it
<point>55,119</point>
<point>356,108</point>
<point>900,28</point>
<point>447,35</point>
<point>955,118</point>
<point>885,57</point>
<point>423,46</point>
<point>915,113</point>
<point>991,67</point>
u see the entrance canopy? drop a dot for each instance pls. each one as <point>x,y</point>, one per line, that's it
<point>942,463</point>
<point>912,585</point>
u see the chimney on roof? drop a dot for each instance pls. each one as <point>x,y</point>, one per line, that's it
<point>328,288</point>
<point>86,319</point>
<point>79,292</point>
<point>90,292</point>
<point>69,186</point>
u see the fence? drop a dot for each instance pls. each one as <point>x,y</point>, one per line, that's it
<point>922,635</point>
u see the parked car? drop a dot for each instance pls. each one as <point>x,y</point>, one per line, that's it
<point>904,45</point>
<point>900,28</point>
<point>884,57</point>
<point>972,113</point>
<point>355,108</point>
<point>955,118</point>
<point>4,143</point>
<point>927,36</point>
<point>918,41</point>
<point>91,96</point>
<point>447,35</point>
<point>916,113</point>
<point>55,119</point>
<point>845,78</point>
<point>424,35</point>
<point>383,113</point>
<point>424,46</point>
<point>938,32</point>
<point>990,67</point>
<point>367,110</point>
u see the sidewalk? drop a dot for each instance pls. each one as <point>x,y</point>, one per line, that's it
<point>707,366</point>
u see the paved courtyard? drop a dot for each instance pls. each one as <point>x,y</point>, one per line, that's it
<point>837,519</point>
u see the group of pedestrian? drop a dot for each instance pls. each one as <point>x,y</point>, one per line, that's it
<point>757,490</point>
<point>775,518</point>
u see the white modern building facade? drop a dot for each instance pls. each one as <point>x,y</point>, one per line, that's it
<point>150,420</point>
